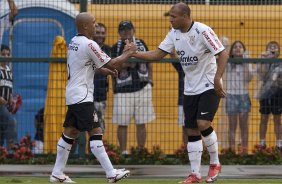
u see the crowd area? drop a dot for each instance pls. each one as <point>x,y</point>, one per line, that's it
<point>132,88</point>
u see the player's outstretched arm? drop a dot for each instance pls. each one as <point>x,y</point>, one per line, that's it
<point>106,71</point>
<point>153,55</point>
<point>117,62</point>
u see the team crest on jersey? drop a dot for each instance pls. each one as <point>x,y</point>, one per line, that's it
<point>192,39</point>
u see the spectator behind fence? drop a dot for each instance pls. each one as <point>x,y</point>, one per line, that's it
<point>196,45</point>
<point>100,80</point>
<point>7,21</point>
<point>270,94</point>
<point>8,124</point>
<point>238,103</point>
<point>84,56</point>
<point>132,90</point>
<point>39,125</point>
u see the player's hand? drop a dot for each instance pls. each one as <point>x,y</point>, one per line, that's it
<point>219,88</point>
<point>267,54</point>
<point>130,47</point>
<point>106,71</point>
<point>3,101</point>
<point>264,54</point>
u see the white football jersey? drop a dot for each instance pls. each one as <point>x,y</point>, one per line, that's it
<point>196,50</point>
<point>84,55</point>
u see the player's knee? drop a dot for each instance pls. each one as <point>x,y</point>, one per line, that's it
<point>193,132</point>
<point>71,132</point>
<point>203,124</point>
<point>95,131</point>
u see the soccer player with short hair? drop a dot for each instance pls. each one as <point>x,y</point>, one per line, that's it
<point>84,56</point>
<point>196,45</point>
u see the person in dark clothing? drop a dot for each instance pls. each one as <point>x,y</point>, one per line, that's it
<point>39,138</point>
<point>132,90</point>
<point>8,124</point>
<point>100,80</point>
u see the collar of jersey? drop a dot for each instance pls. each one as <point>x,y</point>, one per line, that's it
<point>190,26</point>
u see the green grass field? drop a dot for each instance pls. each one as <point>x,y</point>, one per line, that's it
<point>44,180</point>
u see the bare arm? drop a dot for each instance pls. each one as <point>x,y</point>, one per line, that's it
<point>150,73</point>
<point>248,72</point>
<point>106,71</point>
<point>117,63</point>
<point>221,64</point>
<point>153,55</point>
<point>13,9</point>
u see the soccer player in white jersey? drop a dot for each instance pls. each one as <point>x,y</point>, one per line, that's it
<point>196,45</point>
<point>84,56</point>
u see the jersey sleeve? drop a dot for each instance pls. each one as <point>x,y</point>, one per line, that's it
<point>167,44</point>
<point>211,40</point>
<point>95,53</point>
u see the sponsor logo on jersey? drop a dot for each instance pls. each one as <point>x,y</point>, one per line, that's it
<point>206,36</point>
<point>215,39</point>
<point>187,60</point>
<point>73,47</point>
<point>95,52</point>
<point>218,42</point>
<point>192,39</point>
<point>212,33</point>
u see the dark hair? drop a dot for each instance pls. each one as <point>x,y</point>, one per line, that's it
<point>125,24</point>
<point>273,42</point>
<point>233,44</point>
<point>166,14</point>
<point>5,47</point>
<point>102,25</point>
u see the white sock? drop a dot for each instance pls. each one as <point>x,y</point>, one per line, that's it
<point>63,150</point>
<point>279,143</point>
<point>195,150</point>
<point>212,146</point>
<point>98,149</point>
